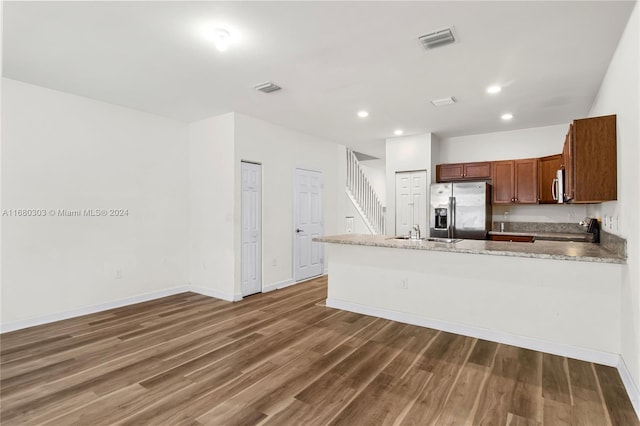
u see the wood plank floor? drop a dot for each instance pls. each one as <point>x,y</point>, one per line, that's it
<point>281,358</point>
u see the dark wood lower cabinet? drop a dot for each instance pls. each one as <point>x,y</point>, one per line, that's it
<point>513,238</point>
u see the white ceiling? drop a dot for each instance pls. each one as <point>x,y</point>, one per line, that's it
<point>331,58</point>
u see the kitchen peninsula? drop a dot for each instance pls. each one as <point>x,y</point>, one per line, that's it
<point>558,297</point>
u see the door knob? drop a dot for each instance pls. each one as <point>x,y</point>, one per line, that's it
<point>298,231</point>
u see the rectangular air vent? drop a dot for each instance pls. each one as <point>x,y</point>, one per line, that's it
<point>444,101</point>
<point>267,87</point>
<point>437,38</point>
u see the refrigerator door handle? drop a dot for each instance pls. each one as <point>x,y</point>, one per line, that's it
<point>452,222</point>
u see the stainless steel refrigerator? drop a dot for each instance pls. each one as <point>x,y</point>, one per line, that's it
<point>460,210</point>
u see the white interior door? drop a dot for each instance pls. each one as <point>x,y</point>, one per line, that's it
<point>308,259</point>
<point>251,233</point>
<point>411,201</point>
<point>403,203</point>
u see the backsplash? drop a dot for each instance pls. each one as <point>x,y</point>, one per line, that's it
<point>613,243</point>
<point>552,213</point>
<point>539,227</point>
<point>608,241</point>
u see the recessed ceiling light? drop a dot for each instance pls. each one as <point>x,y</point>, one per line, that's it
<point>506,116</point>
<point>220,34</point>
<point>363,114</point>
<point>221,39</point>
<point>398,132</point>
<point>494,89</point>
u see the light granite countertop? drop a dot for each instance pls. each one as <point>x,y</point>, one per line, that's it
<point>559,250</point>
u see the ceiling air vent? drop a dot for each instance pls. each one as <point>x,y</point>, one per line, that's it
<point>267,87</point>
<point>444,101</point>
<point>437,39</point>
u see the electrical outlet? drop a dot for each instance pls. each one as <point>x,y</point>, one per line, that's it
<point>349,224</point>
<point>118,274</point>
<point>404,284</point>
<point>572,217</point>
<point>274,262</point>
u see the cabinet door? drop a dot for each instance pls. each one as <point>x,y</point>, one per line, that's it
<point>547,170</point>
<point>593,148</point>
<point>502,176</point>
<point>567,160</point>
<point>526,181</point>
<point>449,172</point>
<point>477,170</point>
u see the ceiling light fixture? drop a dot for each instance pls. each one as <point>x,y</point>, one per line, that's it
<point>363,114</point>
<point>506,116</point>
<point>398,132</point>
<point>221,34</point>
<point>494,89</point>
<point>221,39</point>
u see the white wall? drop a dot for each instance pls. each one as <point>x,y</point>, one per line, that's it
<point>404,154</point>
<point>619,94</point>
<point>212,198</point>
<point>61,151</point>
<point>281,151</point>
<point>359,226</point>
<point>525,143</point>
<point>566,307</point>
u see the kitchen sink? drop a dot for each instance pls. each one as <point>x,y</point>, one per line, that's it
<point>444,240</point>
<point>433,239</point>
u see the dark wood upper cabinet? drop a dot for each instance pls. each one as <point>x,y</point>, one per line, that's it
<point>463,171</point>
<point>503,182</point>
<point>449,172</point>
<point>477,170</point>
<point>590,160</point>
<point>547,171</point>
<point>567,165</point>
<point>526,181</point>
<point>515,181</point>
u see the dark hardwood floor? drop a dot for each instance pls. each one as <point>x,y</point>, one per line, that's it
<point>282,358</point>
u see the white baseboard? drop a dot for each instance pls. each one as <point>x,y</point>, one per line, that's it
<point>630,385</point>
<point>277,286</point>
<point>590,355</point>
<point>229,297</point>
<point>59,316</point>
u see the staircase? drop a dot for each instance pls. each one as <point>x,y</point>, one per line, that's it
<point>363,196</point>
